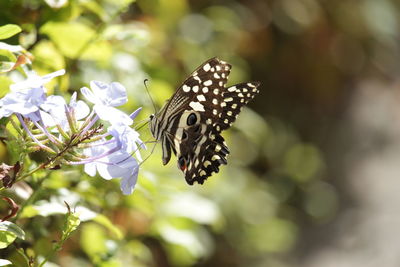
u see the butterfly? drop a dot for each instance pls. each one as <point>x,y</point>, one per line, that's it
<point>191,121</point>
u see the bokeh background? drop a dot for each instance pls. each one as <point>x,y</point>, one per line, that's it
<point>313,175</point>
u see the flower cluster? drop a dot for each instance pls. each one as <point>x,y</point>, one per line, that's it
<point>73,133</point>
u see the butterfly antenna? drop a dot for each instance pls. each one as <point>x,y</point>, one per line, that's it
<point>145,85</point>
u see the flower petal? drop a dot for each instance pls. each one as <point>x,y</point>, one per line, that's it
<point>117,94</point>
<point>89,95</point>
<point>128,183</point>
<point>112,115</point>
<point>135,113</point>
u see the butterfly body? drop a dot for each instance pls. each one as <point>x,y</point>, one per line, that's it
<point>191,121</point>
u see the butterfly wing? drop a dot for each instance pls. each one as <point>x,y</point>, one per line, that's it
<point>190,123</point>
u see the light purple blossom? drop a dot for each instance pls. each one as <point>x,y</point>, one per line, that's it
<point>109,157</point>
<point>126,138</point>
<point>118,164</point>
<point>113,158</point>
<point>26,96</point>
<point>105,98</point>
<point>35,81</point>
<point>57,107</point>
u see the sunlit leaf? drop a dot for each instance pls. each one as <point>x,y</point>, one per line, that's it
<point>9,232</point>
<point>76,40</point>
<point>46,52</point>
<point>93,239</point>
<point>7,55</point>
<point>29,212</point>
<point>9,30</point>
<point>5,83</point>
<point>6,238</point>
<point>103,220</point>
<point>71,224</point>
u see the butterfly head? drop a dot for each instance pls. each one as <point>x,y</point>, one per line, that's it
<point>153,125</point>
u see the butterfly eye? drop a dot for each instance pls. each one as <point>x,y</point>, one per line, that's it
<point>191,119</point>
<point>151,116</point>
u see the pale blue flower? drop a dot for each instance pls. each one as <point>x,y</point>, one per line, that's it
<point>57,108</point>
<point>126,138</point>
<point>118,164</point>
<point>35,81</point>
<point>129,181</point>
<point>26,96</point>
<point>105,97</point>
<point>25,102</point>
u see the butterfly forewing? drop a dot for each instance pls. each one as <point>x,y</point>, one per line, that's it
<point>191,121</point>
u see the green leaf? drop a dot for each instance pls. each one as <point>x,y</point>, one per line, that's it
<point>6,238</point>
<point>103,220</point>
<point>76,40</point>
<point>9,232</point>
<point>9,30</point>
<point>70,38</point>
<point>5,262</point>
<point>29,212</point>
<point>5,83</point>
<point>7,55</point>
<point>93,239</point>
<point>45,51</point>
<point>71,224</point>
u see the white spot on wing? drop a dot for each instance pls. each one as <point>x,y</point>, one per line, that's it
<point>196,106</point>
<point>215,157</point>
<point>208,83</point>
<point>195,88</point>
<point>206,67</point>
<point>232,89</point>
<point>186,88</point>
<point>201,98</point>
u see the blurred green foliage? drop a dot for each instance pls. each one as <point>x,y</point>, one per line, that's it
<point>277,182</point>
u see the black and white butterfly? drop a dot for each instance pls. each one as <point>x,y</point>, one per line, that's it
<point>191,121</point>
